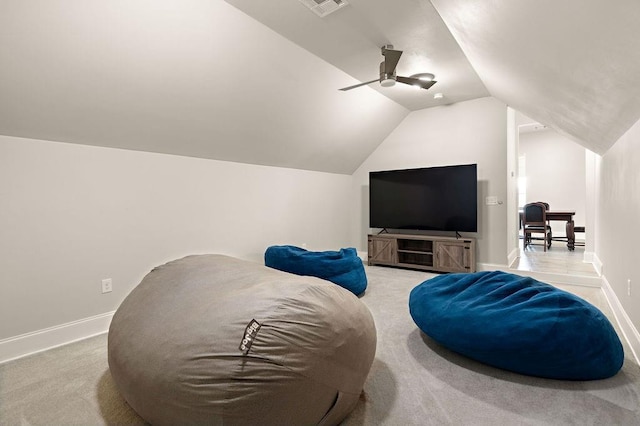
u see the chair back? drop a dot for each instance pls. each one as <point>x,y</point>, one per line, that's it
<point>534,214</point>
<point>546,205</point>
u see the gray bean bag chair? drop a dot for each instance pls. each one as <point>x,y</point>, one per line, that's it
<point>215,340</point>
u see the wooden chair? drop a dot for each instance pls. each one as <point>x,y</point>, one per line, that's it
<point>546,205</point>
<point>534,220</point>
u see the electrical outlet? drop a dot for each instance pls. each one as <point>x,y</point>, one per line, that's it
<point>628,286</point>
<point>107,285</point>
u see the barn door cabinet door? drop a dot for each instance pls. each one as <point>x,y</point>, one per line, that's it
<point>382,250</point>
<point>453,256</point>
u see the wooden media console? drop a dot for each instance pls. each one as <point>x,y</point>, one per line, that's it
<point>425,252</point>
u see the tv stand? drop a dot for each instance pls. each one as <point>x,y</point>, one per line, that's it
<point>424,252</point>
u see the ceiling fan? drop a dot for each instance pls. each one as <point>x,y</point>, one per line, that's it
<point>388,75</point>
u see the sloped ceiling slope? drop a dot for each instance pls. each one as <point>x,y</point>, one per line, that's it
<point>195,78</point>
<point>572,65</point>
<point>351,38</point>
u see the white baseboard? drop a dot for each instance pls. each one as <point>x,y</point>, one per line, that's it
<point>513,256</point>
<point>545,276</point>
<point>629,332</point>
<point>48,338</point>
<point>491,267</point>
<point>552,278</point>
<point>597,263</point>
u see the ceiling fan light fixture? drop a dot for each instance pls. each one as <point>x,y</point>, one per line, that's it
<point>388,76</point>
<point>424,76</point>
<point>387,82</point>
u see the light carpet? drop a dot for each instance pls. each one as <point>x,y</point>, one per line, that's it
<point>413,381</point>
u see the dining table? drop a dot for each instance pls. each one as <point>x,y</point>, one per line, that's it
<point>563,216</point>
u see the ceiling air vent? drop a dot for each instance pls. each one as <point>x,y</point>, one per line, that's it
<point>324,7</point>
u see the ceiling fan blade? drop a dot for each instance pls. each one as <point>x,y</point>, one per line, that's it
<point>358,85</point>
<point>391,58</point>
<point>416,82</point>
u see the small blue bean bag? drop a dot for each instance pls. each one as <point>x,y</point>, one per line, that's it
<point>342,267</point>
<point>518,324</point>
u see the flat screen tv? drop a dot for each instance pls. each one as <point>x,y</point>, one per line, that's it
<point>431,199</point>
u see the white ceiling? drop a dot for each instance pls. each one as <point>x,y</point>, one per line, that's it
<point>351,38</point>
<point>189,77</point>
<point>571,65</point>
<point>256,81</point>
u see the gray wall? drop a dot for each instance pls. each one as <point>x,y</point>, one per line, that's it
<point>618,220</point>
<point>467,132</point>
<point>72,215</point>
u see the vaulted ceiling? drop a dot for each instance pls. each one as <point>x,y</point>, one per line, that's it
<point>256,81</point>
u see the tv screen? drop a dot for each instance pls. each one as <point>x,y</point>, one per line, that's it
<point>430,199</point>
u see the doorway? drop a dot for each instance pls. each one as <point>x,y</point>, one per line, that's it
<point>551,169</point>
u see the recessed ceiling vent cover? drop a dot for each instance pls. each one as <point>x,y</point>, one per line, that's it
<point>324,7</point>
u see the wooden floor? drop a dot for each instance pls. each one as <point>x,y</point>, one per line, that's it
<point>557,259</point>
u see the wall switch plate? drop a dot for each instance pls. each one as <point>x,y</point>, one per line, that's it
<point>107,285</point>
<point>629,287</point>
<point>491,200</point>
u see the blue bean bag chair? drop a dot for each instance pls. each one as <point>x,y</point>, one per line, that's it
<point>342,267</point>
<point>518,324</point>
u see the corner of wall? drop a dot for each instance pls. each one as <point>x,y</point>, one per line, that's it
<point>591,257</point>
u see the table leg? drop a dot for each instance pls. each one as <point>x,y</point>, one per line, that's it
<point>571,235</point>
